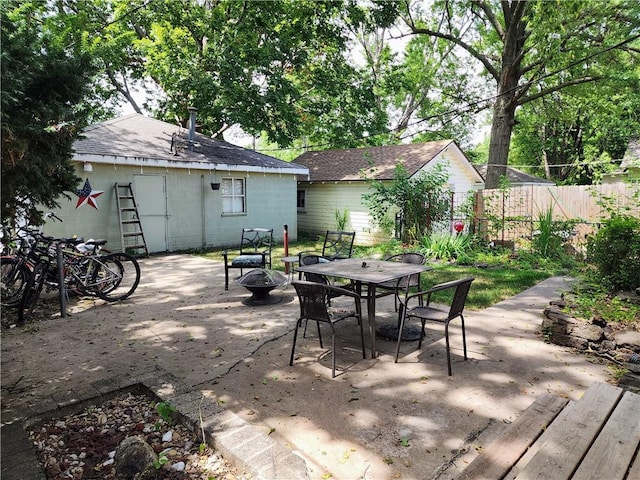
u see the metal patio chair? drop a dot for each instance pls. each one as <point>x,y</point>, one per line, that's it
<point>418,305</point>
<point>305,258</point>
<point>255,252</point>
<point>338,244</point>
<point>313,298</point>
<point>395,287</point>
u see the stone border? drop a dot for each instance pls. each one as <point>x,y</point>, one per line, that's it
<point>239,442</point>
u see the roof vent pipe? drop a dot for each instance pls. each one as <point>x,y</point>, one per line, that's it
<point>192,125</point>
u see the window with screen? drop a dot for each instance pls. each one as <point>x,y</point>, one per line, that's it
<point>233,195</point>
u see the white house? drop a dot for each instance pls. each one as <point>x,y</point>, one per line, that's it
<point>190,190</point>
<point>335,182</point>
<point>629,169</point>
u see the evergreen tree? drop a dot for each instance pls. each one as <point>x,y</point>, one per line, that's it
<point>45,79</point>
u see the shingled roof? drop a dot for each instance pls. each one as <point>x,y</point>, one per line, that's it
<point>347,164</point>
<point>515,176</point>
<point>135,138</point>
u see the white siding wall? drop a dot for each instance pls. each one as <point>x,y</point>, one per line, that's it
<point>461,173</point>
<point>191,203</point>
<point>323,200</point>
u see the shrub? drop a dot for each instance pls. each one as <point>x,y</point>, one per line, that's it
<point>551,234</point>
<point>423,200</point>
<point>444,246</point>
<point>615,252</point>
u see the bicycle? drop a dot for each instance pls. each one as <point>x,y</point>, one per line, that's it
<point>110,276</point>
<point>19,256</point>
<point>14,271</point>
<point>77,266</point>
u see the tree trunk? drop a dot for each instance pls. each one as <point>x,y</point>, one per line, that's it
<point>501,127</point>
<point>504,108</point>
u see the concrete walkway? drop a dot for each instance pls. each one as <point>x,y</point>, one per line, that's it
<point>182,334</point>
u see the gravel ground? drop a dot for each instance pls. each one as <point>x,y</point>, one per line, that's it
<point>83,446</point>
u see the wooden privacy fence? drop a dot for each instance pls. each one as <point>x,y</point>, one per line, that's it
<point>512,214</point>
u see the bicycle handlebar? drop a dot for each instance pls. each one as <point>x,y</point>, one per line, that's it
<point>53,215</point>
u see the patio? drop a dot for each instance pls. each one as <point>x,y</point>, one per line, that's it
<point>375,420</point>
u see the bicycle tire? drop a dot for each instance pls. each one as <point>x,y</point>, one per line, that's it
<point>117,277</point>
<point>32,291</point>
<point>14,278</point>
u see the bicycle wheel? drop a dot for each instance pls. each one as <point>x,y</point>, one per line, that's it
<point>117,276</point>
<point>14,278</point>
<point>32,292</point>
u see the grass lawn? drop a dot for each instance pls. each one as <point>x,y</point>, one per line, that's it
<point>498,275</point>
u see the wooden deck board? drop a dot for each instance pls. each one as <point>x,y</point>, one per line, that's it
<point>613,450</point>
<point>533,449</point>
<point>496,459</point>
<point>634,471</point>
<point>571,434</point>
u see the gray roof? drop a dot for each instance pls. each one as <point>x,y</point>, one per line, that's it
<point>137,138</point>
<point>347,164</point>
<point>515,176</point>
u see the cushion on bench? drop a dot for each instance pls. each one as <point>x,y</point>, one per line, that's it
<point>247,261</point>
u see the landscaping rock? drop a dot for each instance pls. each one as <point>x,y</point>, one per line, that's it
<point>135,459</point>
<point>628,339</point>
<point>589,332</point>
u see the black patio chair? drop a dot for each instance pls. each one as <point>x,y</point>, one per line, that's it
<point>313,298</point>
<point>255,252</point>
<point>338,244</point>
<point>418,305</point>
<point>305,258</point>
<point>311,258</point>
<point>396,287</point>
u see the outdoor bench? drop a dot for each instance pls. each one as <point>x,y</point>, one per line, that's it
<point>596,437</point>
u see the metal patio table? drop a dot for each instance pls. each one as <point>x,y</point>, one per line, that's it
<point>366,271</point>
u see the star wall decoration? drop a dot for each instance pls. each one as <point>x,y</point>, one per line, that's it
<point>87,196</point>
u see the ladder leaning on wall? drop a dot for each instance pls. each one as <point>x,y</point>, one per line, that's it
<point>131,234</point>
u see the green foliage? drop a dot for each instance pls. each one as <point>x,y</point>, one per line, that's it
<point>615,205</point>
<point>160,461</point>
<point>422,200</point>
<point>546,242</point>
<point>46,79</point>
<point>341,218</point>
<point>533,50</point>
<point>551,234</point>
<point>615,251</point>
<point>591,300</point>
<point>165,410</point>
<point>276,68</point>
<point>445,246</point>
<point>570,143</point>
<point>494,220</point>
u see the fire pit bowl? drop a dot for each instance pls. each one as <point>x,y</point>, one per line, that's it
<point>260,282</point>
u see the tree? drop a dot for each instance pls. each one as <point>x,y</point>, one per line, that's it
<point>422,200</point>
<point>277,67</point>
<point>529,48</point>
<point>422,87</point>
<point>45,79</point>
<point>577,134</point>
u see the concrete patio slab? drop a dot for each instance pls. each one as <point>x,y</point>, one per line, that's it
<point>376,420</point>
